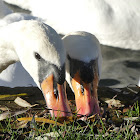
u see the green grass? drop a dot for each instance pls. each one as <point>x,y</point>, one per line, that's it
<point>100,129</point>
<point>134,111</point>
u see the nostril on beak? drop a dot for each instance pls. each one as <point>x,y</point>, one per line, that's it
<point>91,88</point>
<point>82,88</point>
<point>55,89</point>
<point>56,93</point>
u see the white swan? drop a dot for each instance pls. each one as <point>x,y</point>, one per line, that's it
<point>40,50</point>
<point>83,70</point>
<point>115,23</point>
<point>15,75</point>
<point>83,56</point>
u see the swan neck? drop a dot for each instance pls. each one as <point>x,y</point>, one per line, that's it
<point>8,55</point>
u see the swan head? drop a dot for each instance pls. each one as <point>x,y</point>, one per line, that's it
<point>83,70</point>
<point>42,54</point>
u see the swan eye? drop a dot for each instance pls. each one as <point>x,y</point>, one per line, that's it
<point>37,56</point>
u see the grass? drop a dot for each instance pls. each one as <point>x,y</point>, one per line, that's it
<point>111,127</point>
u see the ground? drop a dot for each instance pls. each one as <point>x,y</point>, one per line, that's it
<point>119,114</point>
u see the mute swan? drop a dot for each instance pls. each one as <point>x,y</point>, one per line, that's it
<point>83,70</point>
<point>115,23</point>
<point>11,77</point>
<point>15,75</point>
<point>40,50</point>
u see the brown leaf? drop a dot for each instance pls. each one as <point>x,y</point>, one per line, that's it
<point>5,115</point>
<point>21,124</point>
<point>125,110</point>
<point>4,108</point>
<point>131,118</point>
<point>23,103</point>
<point>9,114</point>
<point>12,95</point>
<point>113,102</point>
<point>47,136</point>
<point>92,118</point>
<point>67,119</point>
<point>43,120</point>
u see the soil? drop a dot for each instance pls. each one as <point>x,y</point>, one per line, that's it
<point>127,96</point>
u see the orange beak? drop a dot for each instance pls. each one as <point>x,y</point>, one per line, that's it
<point>86,100</point>
<point>59,104</point>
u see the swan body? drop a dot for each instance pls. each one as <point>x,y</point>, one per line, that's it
<point>83,70</point>
<point>15,17</point>
<point>115,23</point>
<point>40,50</point>
<point>4,10</point>
<point>25,4</point>
<point>16,76</point>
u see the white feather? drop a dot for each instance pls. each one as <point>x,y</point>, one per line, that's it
<point>82,46</point>
<point>114,22</point>
<point>23,40</point>
<point>4,10</point>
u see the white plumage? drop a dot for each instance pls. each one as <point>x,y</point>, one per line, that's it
<point>23,39</point>
<point>115,23</point>
<point>83,70</point>
<point>84,47</point>
<point>16,76</point>
<point>4,10</point>
<point>40,50</point>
